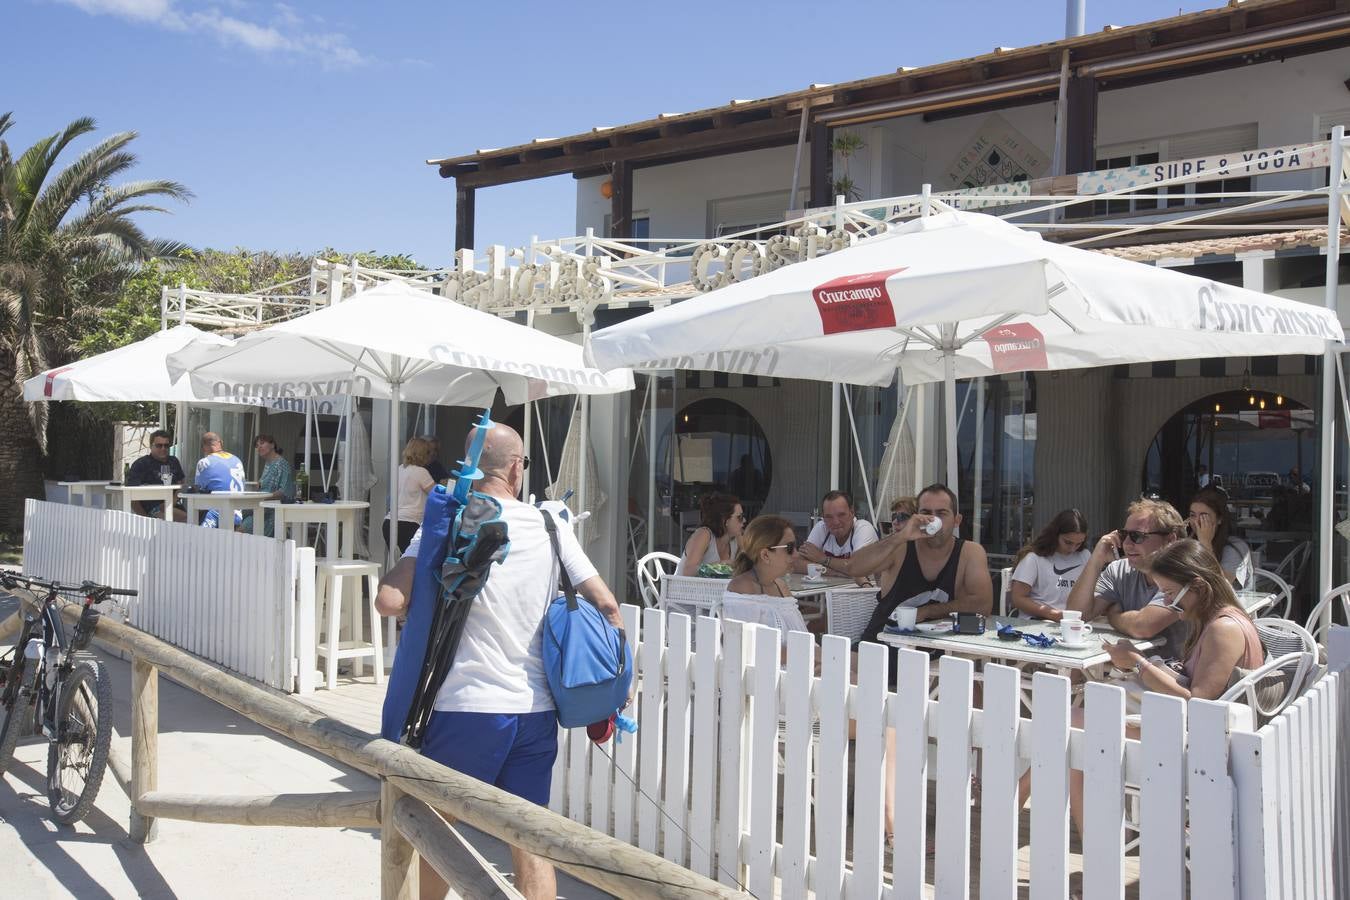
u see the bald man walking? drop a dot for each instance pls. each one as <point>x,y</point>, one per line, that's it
<point>494,717</point>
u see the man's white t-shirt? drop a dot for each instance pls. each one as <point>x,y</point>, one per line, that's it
<point>863,533</point>
<point>1051,578</point>
<point>499,666</point>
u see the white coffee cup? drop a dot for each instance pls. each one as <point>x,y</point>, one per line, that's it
<point>1075,631</point>
<point>814,571</point>
<point>906,617</point>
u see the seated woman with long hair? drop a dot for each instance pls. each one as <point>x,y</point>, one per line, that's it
<point>714,541</point>
<point>758,590</point>
<point>1047,568</point>
<point>1209,522</point>
<point>1223,643</point>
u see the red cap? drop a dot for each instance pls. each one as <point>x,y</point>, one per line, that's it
<point>601,731</point>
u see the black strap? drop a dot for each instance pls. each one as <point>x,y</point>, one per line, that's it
<point>552,528</point>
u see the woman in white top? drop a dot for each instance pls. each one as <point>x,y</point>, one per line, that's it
<point>714,541</point>
<point>758,591</point>
<point>414,483</point>
<point>1049,566</point>
<point>1208,523</point>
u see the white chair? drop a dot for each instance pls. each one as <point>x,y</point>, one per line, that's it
<point>692,595</point>
<point>1295,561</point>
<point>328,591</point>
<point>1314,625</point>
<point>848,610</point>
<point>1289,670</point>
<point>1280,591</point>
<point>650,570</point>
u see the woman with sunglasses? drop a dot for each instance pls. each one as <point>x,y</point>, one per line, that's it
<point>758,590</point>
<point>1208,522</point>
<point>1047,568</point>
<point>714,541</point>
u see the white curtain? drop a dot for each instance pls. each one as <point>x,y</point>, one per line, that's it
<point>363,472</point>
<point>568,476</point>
<point>897,468</point>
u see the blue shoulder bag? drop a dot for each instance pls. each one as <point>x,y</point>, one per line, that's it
<point>587,660</point>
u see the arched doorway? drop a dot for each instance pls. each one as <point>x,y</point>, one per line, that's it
<point>1259,446</point>
<point>718,447</point>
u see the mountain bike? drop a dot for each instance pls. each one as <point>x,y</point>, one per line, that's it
<point>48,684</point>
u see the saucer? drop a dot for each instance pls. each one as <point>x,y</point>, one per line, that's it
<point>1081,645</point>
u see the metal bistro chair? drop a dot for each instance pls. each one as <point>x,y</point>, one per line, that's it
<point>692,595</point>
<point>1314,626</point>
<point>1281,594</point>
<point>650,570</point>
<point>848,610</point>
<point>1289,670</point>
<point>1004,590</point>
<point>1295,561</point>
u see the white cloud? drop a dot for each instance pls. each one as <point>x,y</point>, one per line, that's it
<point>288,33</point>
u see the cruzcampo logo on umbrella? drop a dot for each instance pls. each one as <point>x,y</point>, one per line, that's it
<point>1016,347</point>
<point>856,302</point>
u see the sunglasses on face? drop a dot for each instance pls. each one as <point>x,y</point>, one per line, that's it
<point>901,518</point>
<point>1138,537</point>
<point>524,462</point>
<point>790,547</point>
<point>161,446</point>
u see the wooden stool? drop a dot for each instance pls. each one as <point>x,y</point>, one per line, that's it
<point>328,598</point>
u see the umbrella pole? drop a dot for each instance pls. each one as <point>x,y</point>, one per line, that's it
<point>834,436</point>
<point>347,449</point>
<point>651,461</point>
<point>395,397</point>
<point>525,478</point>
<point>979,461</point>
<point>949,391</point>
<point>1326,493</point>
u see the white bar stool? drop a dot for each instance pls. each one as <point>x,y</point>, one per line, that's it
<point>329,596</point>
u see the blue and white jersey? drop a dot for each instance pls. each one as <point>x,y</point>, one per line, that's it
<point>219,472</point>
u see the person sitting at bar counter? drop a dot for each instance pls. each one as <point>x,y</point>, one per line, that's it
<point>940,573</point>
<point>218,471</point>
<point>1122,589</point>
<point>154,468</point>
<point>277,478</point>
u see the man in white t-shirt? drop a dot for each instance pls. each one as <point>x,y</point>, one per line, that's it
<point>494,717</point>
<point>839,533</point>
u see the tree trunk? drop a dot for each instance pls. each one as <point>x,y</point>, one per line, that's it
<point>20,455</point>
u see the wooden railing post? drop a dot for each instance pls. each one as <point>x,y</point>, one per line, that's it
<point>144,744</point>
<point>398,860</point>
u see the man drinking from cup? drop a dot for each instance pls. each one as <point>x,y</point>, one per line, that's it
<point>1113,584</point>
<point>924,565</point>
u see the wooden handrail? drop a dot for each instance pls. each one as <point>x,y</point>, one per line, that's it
<point>590,856</point>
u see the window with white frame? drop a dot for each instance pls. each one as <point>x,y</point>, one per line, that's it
<point>732,215</point>
<point>1190,145</point>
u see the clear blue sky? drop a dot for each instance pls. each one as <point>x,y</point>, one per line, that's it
<point>307,124</point>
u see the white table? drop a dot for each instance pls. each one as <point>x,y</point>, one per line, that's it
<point>145,493</point>
<point>989,647</point>
<point>1253,600</point>
<point>339,518</point>
<point>85,492</point>
<point>803,588</point>
<point>225,503</point>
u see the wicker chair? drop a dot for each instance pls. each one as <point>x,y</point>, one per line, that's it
<point>1341,594</point>
<point>1289,670</point>
<point>692,595</point>
<point>1281,593</point>
<point>848,610</point>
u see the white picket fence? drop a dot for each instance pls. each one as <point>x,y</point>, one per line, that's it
<point>234,599</point>
<point>1242,815</point>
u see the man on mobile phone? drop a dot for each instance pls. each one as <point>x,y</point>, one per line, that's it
<point>1113,585</point>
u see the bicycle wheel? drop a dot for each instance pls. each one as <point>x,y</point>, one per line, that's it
<point>78,753</point>
<point>16,710</point>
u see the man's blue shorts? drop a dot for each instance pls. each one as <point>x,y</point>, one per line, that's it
<point>514,752</point>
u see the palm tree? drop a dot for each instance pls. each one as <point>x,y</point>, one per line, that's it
<point>67,240</point>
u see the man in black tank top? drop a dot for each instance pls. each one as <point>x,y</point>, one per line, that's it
<point>938,574</point>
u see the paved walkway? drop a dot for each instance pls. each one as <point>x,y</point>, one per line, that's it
<point>203,748</point>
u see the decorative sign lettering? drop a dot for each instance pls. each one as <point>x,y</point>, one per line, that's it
<point>856,302</point>
<point>998,154</point>
<point>1017,347</point>
<point>1237,164</point>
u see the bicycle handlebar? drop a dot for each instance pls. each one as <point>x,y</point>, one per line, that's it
<point>88,588</point>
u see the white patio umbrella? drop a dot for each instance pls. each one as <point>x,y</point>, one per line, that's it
<point>960,295</point>
<point>134,373</point>
<point>401,344</point>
